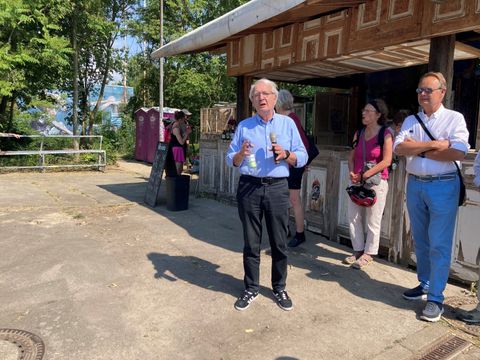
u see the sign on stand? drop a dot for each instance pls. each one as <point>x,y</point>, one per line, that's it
<point>155,180</point>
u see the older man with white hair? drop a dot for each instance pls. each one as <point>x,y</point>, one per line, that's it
<point>263,148</point>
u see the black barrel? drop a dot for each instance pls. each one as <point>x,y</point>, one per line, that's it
<point>178,190</point>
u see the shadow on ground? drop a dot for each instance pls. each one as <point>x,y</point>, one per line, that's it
<point>197,271</point>
<point>218,224</point>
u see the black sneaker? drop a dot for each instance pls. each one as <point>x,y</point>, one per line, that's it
<point>418,293</point>
<point>244,300</point>
<point>298,239</point>
<point>283,300</point>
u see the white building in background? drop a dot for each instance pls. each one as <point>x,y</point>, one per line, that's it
<point>113,97</point>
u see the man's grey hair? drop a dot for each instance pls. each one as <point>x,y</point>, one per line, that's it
<point>285,100</point>
<point>437,75</point>
<point>266,82</point>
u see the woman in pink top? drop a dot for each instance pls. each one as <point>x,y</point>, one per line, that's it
<point>365,241</point>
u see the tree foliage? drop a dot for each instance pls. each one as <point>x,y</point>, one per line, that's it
<point>68,45</point>
<point>94,26</point>
<point>190,81</point>
<point>41,41</point>
<point>33,52</point>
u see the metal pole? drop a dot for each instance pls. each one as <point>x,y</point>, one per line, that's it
<point>160,102</point>
<point>144,51</point>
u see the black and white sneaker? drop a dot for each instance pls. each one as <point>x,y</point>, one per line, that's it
<point>417,293</point>
<point>244,300</point>
<point>283,300</point>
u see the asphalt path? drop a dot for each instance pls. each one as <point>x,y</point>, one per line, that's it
<point>95,273</point>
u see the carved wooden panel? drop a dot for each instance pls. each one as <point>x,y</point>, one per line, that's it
<point>248,50</point>
<point>268,41</point>
<point>376,35</point>
<point>450,17</point>
<point>452,9</point>
<point>380,23</point>
<point>285,48</point>
<point>243,55</point>
<point>234,52</point>
<point>278,47</point>
<point>286,36</point>
<point>284,60</point>
<point>310,46</point>
<point>332,42</point>
<point>400,9</point>
<point>369,15</point>
<point>323,37</point>
<point>267,64</point>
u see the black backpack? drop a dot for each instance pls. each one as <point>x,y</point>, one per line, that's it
<point>380,141</point>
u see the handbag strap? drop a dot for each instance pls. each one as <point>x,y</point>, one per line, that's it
<point>364,153</point>
<point>432,138</point>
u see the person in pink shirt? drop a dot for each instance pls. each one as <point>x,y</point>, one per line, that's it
<point>366,240</point>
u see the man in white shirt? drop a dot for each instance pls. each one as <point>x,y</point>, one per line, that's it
<point>473,316</point>
<point>433,188</point>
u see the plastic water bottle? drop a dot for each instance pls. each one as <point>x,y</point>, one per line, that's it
<point>252,164</point>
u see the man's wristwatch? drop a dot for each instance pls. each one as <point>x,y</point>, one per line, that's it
<point>287,155</point>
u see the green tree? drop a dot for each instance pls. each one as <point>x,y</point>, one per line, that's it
<point>190,81</point>
<point>33,53</point>
<point>94,25</point>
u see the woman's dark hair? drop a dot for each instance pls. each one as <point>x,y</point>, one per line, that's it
<point>381,108</point>
<point>179,115</point>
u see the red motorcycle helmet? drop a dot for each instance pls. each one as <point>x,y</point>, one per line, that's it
<point>361,195</point>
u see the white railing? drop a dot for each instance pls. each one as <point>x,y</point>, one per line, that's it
<point>41,152</point>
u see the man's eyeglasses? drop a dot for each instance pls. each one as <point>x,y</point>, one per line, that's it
<point>263,93</point>
<point>368,110</point>
<point>427,90</point>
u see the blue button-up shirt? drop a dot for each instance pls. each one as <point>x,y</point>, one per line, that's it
<point>257,132</point>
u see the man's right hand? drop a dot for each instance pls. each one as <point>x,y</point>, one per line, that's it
<point>246,148</point>
<point>244,151</point>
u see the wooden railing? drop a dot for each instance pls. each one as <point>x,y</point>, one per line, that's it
<point>42,153</point>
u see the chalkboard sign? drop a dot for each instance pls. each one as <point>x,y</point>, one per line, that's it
<point>153,186</point>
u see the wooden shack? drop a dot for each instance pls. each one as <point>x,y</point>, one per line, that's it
<point>359,50</point>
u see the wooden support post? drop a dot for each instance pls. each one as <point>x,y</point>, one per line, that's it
<point>441,59</point>
<point>244,107</point>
